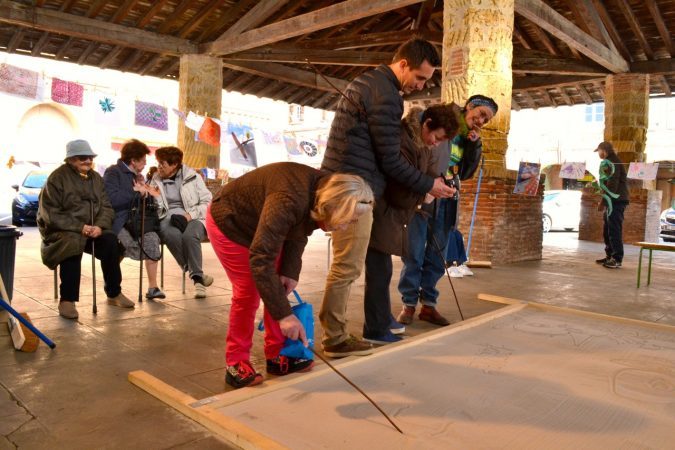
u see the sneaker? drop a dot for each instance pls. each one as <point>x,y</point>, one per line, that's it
<point>207,280</point>
<point>241,375</point>
<point>121,300</point>
<point>612,263</point>
<point>431,315</point>
<point>200,290</point>
<point>395,327</point>
<point>154,293</point>
<point>67,310</point>
<point>602,260</point>
<point>464,270</point>
<point>353,346</point>
<point>454,272</point>
<point>283,365</point>
<point>406,315</point>
<point>384,339</point>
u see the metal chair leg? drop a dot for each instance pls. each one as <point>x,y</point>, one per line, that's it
<point>649,268</point>
<point>639,267</point>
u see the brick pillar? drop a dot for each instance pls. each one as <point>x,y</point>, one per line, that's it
<point>626,122</point>
<point>200,90</point>
<point>477,55</point>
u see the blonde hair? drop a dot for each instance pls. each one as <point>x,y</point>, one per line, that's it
<point>341,197</point>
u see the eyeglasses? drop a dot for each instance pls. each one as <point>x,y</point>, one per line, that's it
<point>84,158</point>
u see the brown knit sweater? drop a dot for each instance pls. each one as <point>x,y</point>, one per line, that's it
<point>268,211</point>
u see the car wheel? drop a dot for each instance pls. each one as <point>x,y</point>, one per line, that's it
<point>546,222</point>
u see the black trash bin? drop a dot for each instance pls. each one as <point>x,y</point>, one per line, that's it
<point>9,234</point>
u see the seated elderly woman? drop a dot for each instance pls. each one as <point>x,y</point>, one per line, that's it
<point>182,200</point>
<point>75,216</point>
<point>258,225</point>
<point>125,186</point>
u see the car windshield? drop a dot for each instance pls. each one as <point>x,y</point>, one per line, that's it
<point>35,180</point>
<point>549,197</point>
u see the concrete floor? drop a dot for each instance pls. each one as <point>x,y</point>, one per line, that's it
<point>77,396</point>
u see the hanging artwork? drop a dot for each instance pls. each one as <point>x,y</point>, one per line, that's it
<point>106,109</point>
<point>209,133</point>
<point>305,148</point>
<point>17,81</point>
<point>528,179</point>
<point>151,115</point>
<point>240,144</point>
<point>573,170</point>
<point>643,171</point>
<point>194,121</point>
<point>67,92</point>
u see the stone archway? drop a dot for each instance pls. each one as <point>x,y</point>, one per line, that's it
<point>43,132</point>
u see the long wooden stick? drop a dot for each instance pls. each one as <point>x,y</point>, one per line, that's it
<point>357,388</point>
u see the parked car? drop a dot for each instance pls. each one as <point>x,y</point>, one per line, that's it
<point>25,203</point>
<point>668,225</point>
<point>561,210</point>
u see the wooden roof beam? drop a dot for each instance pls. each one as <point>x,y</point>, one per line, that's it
<point>254,17</point>
<point>661,26</point>
<point>546,17</point>
<point>534,62</point>
<point>343,12</point>
<point>287,74</point>
<point>423,15</point>
<point>543,82</point>
<point>566,98</point>
<point>91,29</point>
<point>635,26</point>
<point>300,55</point>
<point>524,41</point>
<point>584,94</point>
<point>360,40</point>
<point>617,39</point>
<point>656,67</point>
<point>17,37</point>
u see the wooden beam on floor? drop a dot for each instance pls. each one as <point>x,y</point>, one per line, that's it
<point>343,12</point>
<point>90,29</point>
<point>550,20</point>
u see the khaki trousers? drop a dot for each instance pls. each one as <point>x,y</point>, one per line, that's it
<point>349,255</point>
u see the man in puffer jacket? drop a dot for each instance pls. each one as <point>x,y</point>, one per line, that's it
<point>365,139</point>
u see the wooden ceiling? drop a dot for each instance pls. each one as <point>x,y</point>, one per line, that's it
<point>563,49</point>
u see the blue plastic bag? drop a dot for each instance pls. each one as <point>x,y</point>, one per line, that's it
<point>295,349</point>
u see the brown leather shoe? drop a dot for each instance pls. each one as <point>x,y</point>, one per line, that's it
<point>431,315</point>
<point>406,315</point>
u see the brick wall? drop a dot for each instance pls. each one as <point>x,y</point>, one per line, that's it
<point>641,219</point>
<point>507,227</point>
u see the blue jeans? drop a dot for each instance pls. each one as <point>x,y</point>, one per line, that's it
<point>455,251</point>
<point>423,266</point>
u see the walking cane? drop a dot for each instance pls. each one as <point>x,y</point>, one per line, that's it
<point>93,260</point>
<point>141,252</point>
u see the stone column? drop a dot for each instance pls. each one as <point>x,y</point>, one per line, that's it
<point>200,91</point>
<point>477,55</point>
<point>626,122</point>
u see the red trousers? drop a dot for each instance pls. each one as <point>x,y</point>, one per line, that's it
<point>245,300</point>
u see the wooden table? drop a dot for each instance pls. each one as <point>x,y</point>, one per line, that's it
<point>651,246</point>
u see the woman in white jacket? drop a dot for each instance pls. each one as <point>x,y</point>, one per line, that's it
<point>182,199</point>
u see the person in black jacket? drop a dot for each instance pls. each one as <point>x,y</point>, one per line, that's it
<point>612,230</point>
<point>125,187</point>
<point>365,139</point>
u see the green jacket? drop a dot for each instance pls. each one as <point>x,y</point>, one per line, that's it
<point>65,207</point>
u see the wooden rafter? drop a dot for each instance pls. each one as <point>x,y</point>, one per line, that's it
<point>300,55</point>
<point>543,82</point>
<point>534,62</point>
<point>330,16</point>
<point>617,39</point>
<point>423,15</point>
<point>90,29</point>
<point>61,54</point>
<point>351,42</point>
<point>663,82</point>
<point>254,17</point>
<point>547,97</point>
<point>589,15</point>
<point>156,7</point>
<point>656,67</point>
<point>288,74</point>
<point>546,17</point>
<point>17,37</point>
<point>566,98</point>
<point>584,94</point>
<point>635,26</point>
<point>661,26</point>
<point>545,40</point>
<point>524,41</point>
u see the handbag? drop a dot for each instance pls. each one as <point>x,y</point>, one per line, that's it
<point>295,348</point>
<point>135,220</point>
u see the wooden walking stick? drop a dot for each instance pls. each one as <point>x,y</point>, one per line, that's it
<point>93,260</point>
